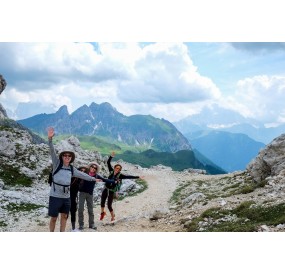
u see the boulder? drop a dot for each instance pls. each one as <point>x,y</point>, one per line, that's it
<point>270,162</point>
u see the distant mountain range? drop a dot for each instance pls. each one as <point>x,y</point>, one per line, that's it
<point>210,118</point>
<point>183,159</point>
<point>220,119</point>
<point>227,138</point>
<point>105,121</point>
<point>211,133</point>
<point>230,151</point>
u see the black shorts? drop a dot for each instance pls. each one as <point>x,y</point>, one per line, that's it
<point>58,205</point>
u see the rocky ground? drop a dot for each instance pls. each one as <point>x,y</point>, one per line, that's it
<point>152,211</point>
<point>173,201</point>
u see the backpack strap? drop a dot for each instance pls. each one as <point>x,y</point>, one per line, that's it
<point>118,185</point>
<point>59,167</point>
<point>117,177</point>
<point>64,186</point>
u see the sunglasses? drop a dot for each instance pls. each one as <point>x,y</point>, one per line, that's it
<point>94,167</point>
<point>67,156</point>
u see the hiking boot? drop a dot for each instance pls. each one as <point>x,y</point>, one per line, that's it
<point>93,227</point>
<point>103,214</point>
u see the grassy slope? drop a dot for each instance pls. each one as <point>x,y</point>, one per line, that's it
<point>143,156</point>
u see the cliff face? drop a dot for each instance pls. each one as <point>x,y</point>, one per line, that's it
<point>6,122</point>
<point>269,165</point>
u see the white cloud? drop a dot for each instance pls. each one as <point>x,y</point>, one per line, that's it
<point>74,74</point>
<point>261,97</point>
<point>172,112</point>
<point>166,74</point>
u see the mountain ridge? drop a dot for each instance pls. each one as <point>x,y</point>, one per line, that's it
<point>221,119</point>
<point>104,120</point>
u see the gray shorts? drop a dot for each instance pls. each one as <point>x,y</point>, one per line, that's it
<point>58,205</point>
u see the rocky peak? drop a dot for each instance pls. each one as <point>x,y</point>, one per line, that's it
<point>62,111</point>
<point>270,162</point>
<point>105,105</point>
<point>104,110</point>
<point>82,114</point>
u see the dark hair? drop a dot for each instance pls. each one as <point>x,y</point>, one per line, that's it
<point>83,168</point>
<point>118,165</point>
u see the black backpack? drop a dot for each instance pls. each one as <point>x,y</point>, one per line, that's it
<point>114,187</point>
<point>50,177</point>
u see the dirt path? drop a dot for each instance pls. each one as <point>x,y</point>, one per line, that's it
<point>132,213</point>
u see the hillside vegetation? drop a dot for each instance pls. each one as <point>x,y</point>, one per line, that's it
<point>144,157</point>
<point>178,161</point>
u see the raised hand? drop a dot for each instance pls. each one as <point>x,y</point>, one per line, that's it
<point>50,132</point>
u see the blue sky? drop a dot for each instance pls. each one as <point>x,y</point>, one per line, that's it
<point>169,80</point>
<point>226,63</point>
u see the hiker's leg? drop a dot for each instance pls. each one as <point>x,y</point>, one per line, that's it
<point>52,223</point>
<point>64,212</point>
<point>81,209</point>
<point>89,200</point>
<point>110,202</point>
<point>112,216</point>
<point>73,219</point>
<point>73,210</point>
<point>103,199</point>
<point>53,211</point>
<point>63,220</point>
